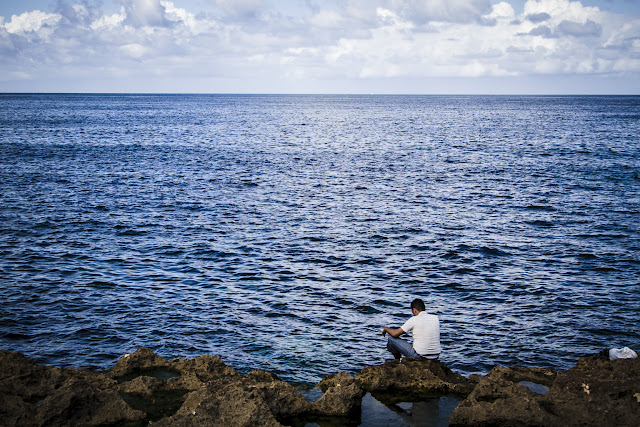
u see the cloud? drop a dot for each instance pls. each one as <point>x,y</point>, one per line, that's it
<point>423,11</point>
<point>541,30</point>
<point>134,50</point>
<point>577,29</point>
<point>350,40</point>
<point>145,13</point>
<point>31,22</point>
<point>241,8</point>
<point>538,17</point>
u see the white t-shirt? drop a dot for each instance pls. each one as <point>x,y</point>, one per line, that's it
<point>425,329</point>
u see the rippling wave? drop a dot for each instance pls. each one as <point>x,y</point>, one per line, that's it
<point>284,232</point>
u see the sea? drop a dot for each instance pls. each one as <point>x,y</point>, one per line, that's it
<point>283,232</point>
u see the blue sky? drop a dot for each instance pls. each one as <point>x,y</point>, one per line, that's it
<point>314,46</point>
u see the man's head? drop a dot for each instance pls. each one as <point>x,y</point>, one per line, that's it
<point>417,305</point>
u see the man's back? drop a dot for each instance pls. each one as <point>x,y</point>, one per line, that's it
<point>425,329</point>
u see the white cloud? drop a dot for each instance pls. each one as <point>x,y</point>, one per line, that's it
<point>503,11</point>
<point>577,29</point>
<point>134,50</point>
<point>422,11</point>
<point>31,21</point>
<point>350,40</point>
<point>240,8</point>
<point>145,13</point>
<point>109,21</point>
<point>559,10</point>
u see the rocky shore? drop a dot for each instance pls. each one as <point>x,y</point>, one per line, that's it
<point>146,389</point>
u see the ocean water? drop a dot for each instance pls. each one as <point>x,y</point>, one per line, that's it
<point>283,232</point>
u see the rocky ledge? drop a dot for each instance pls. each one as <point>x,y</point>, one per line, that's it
<point>146,389</point>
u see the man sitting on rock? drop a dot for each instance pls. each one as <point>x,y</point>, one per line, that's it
<point>425,329</point>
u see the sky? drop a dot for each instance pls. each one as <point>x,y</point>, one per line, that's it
<point>314,46</point>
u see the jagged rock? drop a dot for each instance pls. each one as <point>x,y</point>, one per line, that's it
<point>412,379</point>
<point>261,375</point>
<point>260,397</point>
<point>282,398</point>
<point>27,388</point>
<point>135,364</point>
<point>78,402</point>
<point>14,411</point>
<point>339,400</point>
<point>186,374</point>
<point>187,382</point>
<point>223,403</point>
<point>597,392</point>
<point>145,387</point>
<point>499,398</point>
<point>98,379</point>
<point>342,396</point>
<point>205,368</point>
<point>158,386</point>
<point>332,380</point>
<point>594,393</point>
<point>22,377</point>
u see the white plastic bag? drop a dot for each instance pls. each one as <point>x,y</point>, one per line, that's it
<point>622,353</point>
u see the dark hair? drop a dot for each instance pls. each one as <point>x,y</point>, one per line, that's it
<point>418,304</point>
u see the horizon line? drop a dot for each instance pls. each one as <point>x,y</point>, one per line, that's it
<point>314,94</point>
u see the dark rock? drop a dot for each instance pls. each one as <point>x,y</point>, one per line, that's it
<point>22,377</point>
<point>144,387</point>
<point>142,362</point>
<point>282,398</point>
<point>261,375</point>
<point>342,396</point>
<point>332,380</point>
<point>205,368</point>
<point>14,411</point>
<point>412,379</point>
<point>261,398</point>
<point>78,402</point>
<point>31,394</point>
<point>223,403</point>
<point>595,392</point>
<point>339,400</point>
<point>498,399</point>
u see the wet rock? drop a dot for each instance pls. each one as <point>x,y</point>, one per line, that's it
<point>158,386</point>
<point>27,389</point>
<point>185,374</point>
<point>78,402</point>
<point>412,379</point>
<point>144,387</point>
<point>22,377</point>
<point>142,362</point>
<point>261,398</point>
<point>342,396</point>
<point>14,411</point>
<point>205,368</point>
<point>595,392</point>
<point>261,375</point>
<point>223,403</point>
<point>282,398</point>
<point>332,380</point>
<point>339,400</point>
<point>499,399</point>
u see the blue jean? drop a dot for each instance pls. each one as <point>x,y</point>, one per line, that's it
<point>398,346</point>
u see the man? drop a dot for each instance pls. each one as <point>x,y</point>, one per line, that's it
<point>426,334</point>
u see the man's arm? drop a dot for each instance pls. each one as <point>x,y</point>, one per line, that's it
<point>393,332</point>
